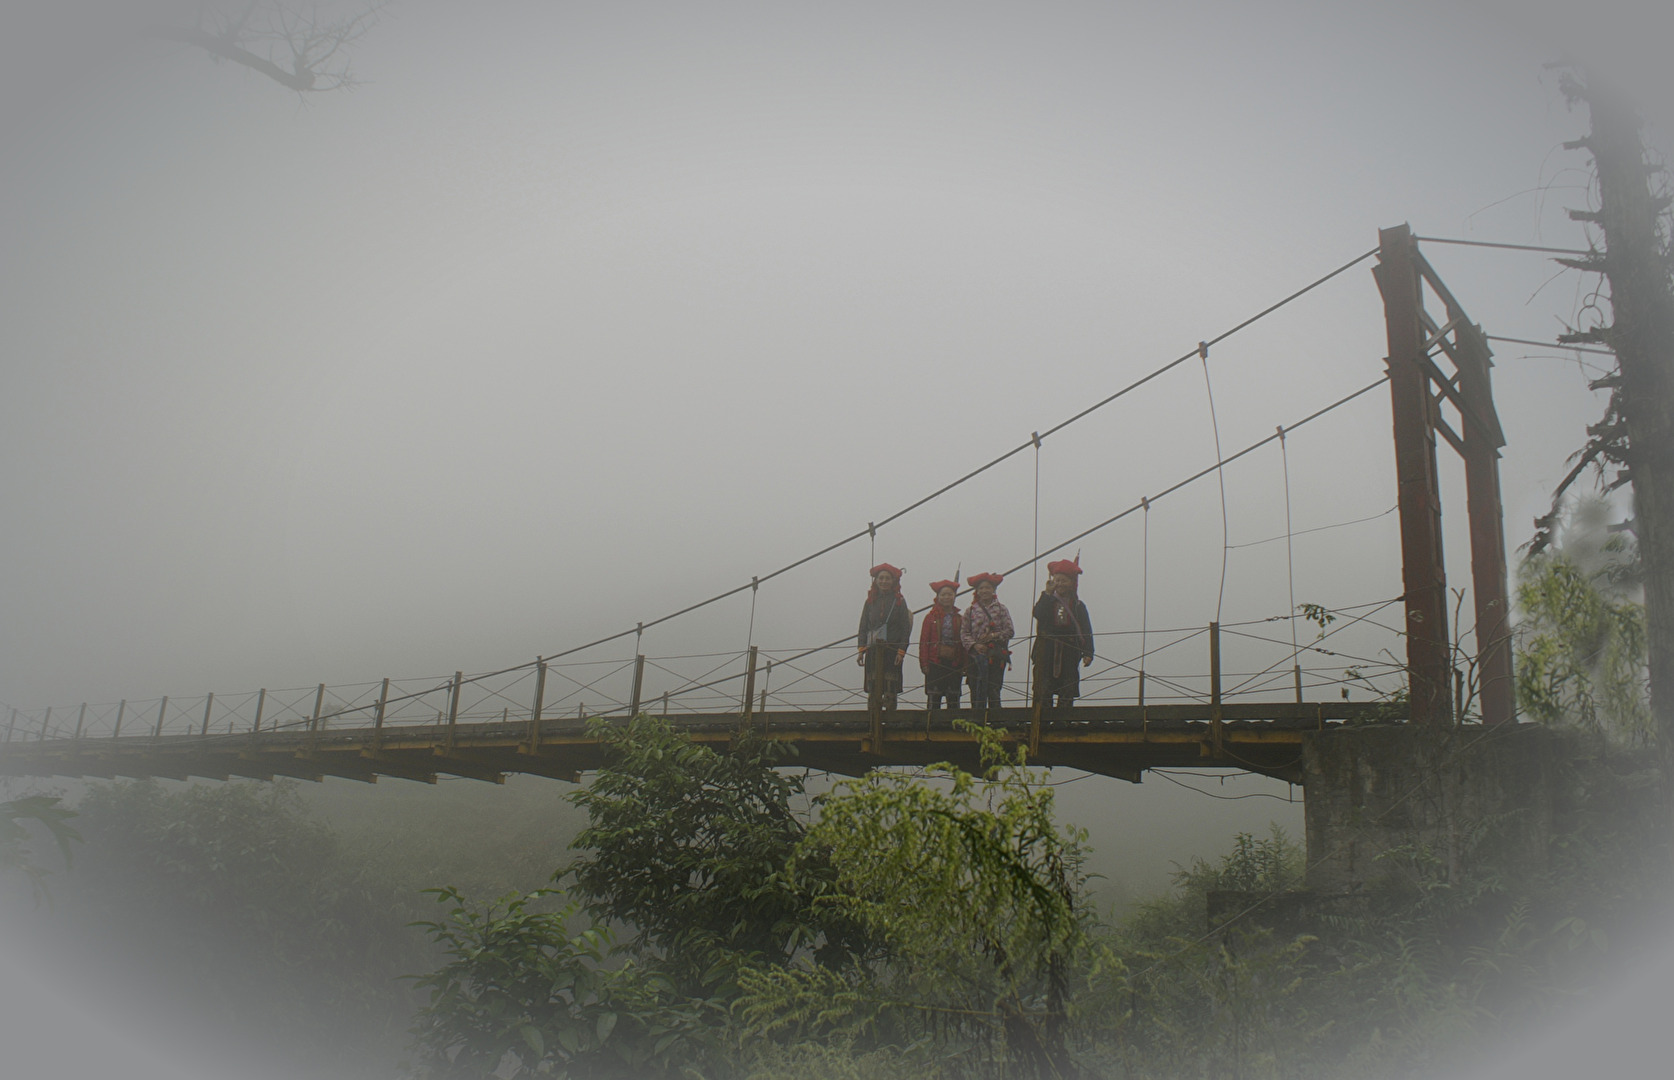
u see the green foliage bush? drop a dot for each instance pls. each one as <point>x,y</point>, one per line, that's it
<point>935,924</point>
<point>932,925</point>
<point>521,995</point>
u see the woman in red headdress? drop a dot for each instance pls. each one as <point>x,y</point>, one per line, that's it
<point>987,635</point>
<point>1063,636</point>
<point>886,624</point>
<point>941,653</point>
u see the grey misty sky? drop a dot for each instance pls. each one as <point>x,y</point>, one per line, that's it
<point>573,314</point>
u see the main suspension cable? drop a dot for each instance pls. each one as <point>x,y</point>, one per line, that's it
<point>1143,504</point>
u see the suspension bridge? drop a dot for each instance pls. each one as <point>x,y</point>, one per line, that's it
<point>1157,697</point>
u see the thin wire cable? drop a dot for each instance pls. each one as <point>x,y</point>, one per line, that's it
<point>1144,593</point>
<point>1290,552</point>
<point>1548,345</point>
<point>1318,528</point>
<point>1508,247</point>
<point>1220,475</point>
<point>1200,474</point>
<point>1166,775</point>
<point>1312,646</point>
<point>1034,578</point>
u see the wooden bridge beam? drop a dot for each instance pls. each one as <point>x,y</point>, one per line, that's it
<point>1112,740</point>
<point>1423,573</point>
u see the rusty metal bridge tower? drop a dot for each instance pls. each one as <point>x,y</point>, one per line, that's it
<point>1419,388</point>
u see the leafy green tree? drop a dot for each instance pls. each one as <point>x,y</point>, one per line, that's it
<point>938,925</point>
<point>685,850</point>
<point>977,897</point>
<point>688,847</point>
<point>1581,649</point>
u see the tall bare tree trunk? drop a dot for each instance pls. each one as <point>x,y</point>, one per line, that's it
<point>1641,334</point>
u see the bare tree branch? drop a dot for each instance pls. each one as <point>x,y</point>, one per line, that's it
<point>292,43</point>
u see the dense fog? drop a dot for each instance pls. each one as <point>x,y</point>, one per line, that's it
<point>555,319</point>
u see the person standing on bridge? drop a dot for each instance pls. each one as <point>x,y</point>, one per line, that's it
<point>986,635</point>
<point>1063,636</point>
<point>941,652</point>
<point>886,625</point>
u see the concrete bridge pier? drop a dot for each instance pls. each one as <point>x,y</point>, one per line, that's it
<point>1403,803</point>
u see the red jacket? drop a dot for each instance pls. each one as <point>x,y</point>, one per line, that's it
<point>930,639</point>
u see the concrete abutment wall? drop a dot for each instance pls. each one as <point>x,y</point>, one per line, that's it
<point>1401,802</point>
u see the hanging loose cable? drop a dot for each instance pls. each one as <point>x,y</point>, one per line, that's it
<point>1220,475</point>
<point>1036,579</point>
<point>1034,568</point>
<point>1290,567</point>
<point>1144,592</point>
<point>750,635</point>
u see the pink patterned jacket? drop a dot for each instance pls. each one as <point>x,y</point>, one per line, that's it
<point>992,621</point>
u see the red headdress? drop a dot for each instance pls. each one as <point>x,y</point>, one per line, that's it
<point>977,579</point>
<point>938,586</point>
<point>872,593</point>
<point>1064,566</point>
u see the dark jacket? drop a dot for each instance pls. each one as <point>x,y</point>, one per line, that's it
<point>1069,638</point>
<point>897,624</point>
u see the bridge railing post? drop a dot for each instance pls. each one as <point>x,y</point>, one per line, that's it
<point>208,704</point>
<point>314,718</point>
<point>162,708</point>
<point>748,712</point>
<point>639,684</point>
<point>81,721</point>
<point>11,725</point>
<point>378,716</point>
<point>261,702</point>
<point>115,732</point>
<point>44,724</point>
<point>539,704</point>
<point>453,706</point>
<point>1037,703</point>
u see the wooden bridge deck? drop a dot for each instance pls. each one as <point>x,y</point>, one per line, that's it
<point>1114,740</point>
